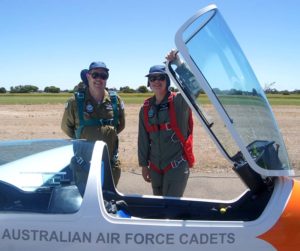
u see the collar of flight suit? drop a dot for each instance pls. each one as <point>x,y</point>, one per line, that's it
<point>106,97</point>
<point>165,99</point>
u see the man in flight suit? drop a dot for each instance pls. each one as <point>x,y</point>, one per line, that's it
<point>95,114</point>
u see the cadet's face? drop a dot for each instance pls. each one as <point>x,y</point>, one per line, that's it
<point>158,83</point>
<point>97,78</point>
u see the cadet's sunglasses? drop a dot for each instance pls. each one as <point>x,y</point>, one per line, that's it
<point>158,77</point>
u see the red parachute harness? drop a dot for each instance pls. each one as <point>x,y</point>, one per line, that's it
<point>187,144</point>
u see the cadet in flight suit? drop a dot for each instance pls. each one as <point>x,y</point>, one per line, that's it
<point>160,152</point>
<point>95,114</point>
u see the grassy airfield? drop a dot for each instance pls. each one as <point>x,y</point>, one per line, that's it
<point>129,98</point>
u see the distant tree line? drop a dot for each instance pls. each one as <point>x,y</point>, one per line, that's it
<point>54,89</point>
<point>128,89</point>
<point>29,89</point>
<point>23,89</point>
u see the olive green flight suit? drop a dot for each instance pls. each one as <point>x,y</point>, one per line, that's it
<point>106,133</point>
<point>162,147</point>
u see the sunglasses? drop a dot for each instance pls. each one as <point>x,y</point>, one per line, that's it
<point>159,77</point>
<point>101,75</point>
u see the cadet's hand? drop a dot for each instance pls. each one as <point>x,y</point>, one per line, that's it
<point>146,173</point>
<point>172,57</point>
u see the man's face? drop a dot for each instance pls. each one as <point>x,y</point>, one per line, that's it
<point>97,78</point>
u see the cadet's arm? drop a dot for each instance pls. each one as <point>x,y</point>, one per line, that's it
<point>143,142</point>
<point>68,122</point>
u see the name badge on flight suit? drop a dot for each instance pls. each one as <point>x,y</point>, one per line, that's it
<point>162,107</point>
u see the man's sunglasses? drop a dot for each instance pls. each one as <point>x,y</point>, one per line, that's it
<point>102,75</point>
<point>158,77</point>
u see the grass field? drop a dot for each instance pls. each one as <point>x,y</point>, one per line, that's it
<point>129,98</point>
<point>280,99</point>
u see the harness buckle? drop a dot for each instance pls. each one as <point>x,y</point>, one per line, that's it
<point>106,122</point>
<point>79,160</point>
<point>174,140</point>
<point>176,163</point>
<point>168,126</point>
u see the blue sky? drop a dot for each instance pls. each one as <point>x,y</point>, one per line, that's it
<point>48,42</point>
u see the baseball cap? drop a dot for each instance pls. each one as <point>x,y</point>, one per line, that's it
<point>157,69</point>
<point>98,64</point>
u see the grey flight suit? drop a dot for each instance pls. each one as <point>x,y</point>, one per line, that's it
<point>162,147</point>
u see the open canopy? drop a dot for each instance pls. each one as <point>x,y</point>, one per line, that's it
<point>245,128</point>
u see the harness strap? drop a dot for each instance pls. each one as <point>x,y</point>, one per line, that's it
<point>114,101</point>
<point>93,122</point>
<point>154,128</point>
<point>160,127</point>
<point>187,144</point>
<point>173,164</point>
<point>80,98</point>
